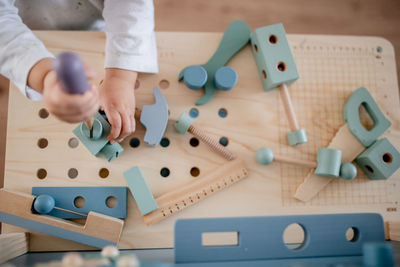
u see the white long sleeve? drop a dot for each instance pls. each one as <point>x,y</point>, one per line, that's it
<point>20,50</point>
<point>130,35</point>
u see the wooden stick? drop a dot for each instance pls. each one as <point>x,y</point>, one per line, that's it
<point>299,162</point>
<point>13,245</point>
<point>287,103</point>
<point>189,194</point>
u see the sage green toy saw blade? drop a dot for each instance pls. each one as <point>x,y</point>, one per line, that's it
<point>236,36</point>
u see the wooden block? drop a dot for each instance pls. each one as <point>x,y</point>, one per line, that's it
<point>98,199</point>
<point>392,231</point>
<point>13,245</point>
<point>313,183</point>
<point>140,190</point>
<point>99,230</point>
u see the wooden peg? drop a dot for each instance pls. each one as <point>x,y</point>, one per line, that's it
<point>287,103</point>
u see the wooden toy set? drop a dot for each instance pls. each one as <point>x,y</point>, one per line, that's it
<point>343,89</point>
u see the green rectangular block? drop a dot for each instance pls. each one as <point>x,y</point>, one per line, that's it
<point>140,191</point>
<point>380,160</point>
<point>273,56</point>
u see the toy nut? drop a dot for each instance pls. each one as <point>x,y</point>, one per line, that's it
<point>183,123</point>
<point>195,77</point>
<point>297,137</point>
<point>225,78</point>
<point>348,171</point>
<point>44,204</point>
<point>329,161</point>
<point>265,156</point>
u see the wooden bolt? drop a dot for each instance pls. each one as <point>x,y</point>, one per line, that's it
<point>287,103</point>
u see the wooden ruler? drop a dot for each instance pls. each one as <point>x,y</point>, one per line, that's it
<point>187,195</point>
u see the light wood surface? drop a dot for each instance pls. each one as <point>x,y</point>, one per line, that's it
<point>330,68</point>
<point>13,245</point>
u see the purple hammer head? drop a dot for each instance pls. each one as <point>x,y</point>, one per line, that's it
<point>70,72</point>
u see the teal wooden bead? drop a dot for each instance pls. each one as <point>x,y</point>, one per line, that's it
<point>377,254</point>
<point>195,77</point>
<point>183,123</point>
<point>380,160</point>
<point>97,130</point>
<point>329,161</point>
<point>348,171</point>
<point>44,204</point>
<point>225,78</point>
<point>265,156</point>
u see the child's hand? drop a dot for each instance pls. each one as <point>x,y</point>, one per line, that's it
<point>67,107</point>
<point>117,98</point>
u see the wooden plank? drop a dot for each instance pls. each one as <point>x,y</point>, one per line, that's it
<point>330,68</point>
<point>392,230</point>
<point>13,245</point>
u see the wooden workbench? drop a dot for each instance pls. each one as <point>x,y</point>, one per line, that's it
<point>331,68</point>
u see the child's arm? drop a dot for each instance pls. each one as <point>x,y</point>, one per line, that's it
<point>130,48</point>
<point>26,62</point>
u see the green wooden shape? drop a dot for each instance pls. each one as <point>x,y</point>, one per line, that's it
<point>351,115</point>
<point>183,123</point>
<point>271,48</point>
<point>94,146</point>
<point>140,191</point>
<point>329,161</point>
<point>111,152</point>
<point>297,137</point>
<point>97,130</point>
<point>265,156</point>
<point>348,171</point>
<point>380,160</point>
<point>236,36</point>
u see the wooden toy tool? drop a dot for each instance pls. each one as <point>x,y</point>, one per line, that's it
<point>185,124</point>
<point>235,37</point>
<point>277,69</point>
<point>99,230</point>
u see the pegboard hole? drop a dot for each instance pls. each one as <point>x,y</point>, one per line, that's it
<point>73,142</point>
<point>164,142</point>
<point>72,173</point>
<point>255,48</point>
<point>42,143</point>
<point>104,172</point>
<point>134,142</point>
<point>281,66</point>
<point>194,112</point>
<point>43,113</point>
<point>222,112</point>
<point>294,236</point>
<point>194,142</point>
<point>164,84</point>
<point>369,168</point>
<point>379,49</point>
<point>79,202</point>
<point>41,173</point>
<point>111,202</point>
<point>264,74</point>
<point>224,141</point>
<point>137,84</point>
<point>352,234</point>
<point>164,172</point>
<point>195,171</point>
<point>387,158</point>
<point>273,39</point>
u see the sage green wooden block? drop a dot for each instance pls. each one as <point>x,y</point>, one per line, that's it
<point>140,191</point>
<point>273,56</point>
<point>329,161</point>
<point>297,137</point>
<point>351,115</point>
<point>94,145</point>
<point>380,160</point>
<point>183,123</point>
<point>112,151</point>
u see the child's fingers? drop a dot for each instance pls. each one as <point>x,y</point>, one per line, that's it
<point>126,126</point>
<point>115,120</point>
<point>133,121</point>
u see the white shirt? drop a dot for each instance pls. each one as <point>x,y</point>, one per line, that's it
<point>128,24</point>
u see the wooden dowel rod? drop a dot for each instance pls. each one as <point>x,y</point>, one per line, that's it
<point>287,103</point>
<point>299,162</point>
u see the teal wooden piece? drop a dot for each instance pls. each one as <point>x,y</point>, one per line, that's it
<point>265,156</point>
<point>95,200</point>
<point>97,130</point>
<point>262,237</point>
<point>112,151</point>
<point>297,137</point>
<point>140,191</point>
<point>273,56</point>
<point>329,161</point>
<point>380,160</point>
<point>225,78</point>
<point>377,254</point>
<point>236,36</point>
<point>348,171</point>
<point>183,123</point>
<point>155,119</point>
<point>195,77</point>
<point>351,116</point>
<point>44,204</point>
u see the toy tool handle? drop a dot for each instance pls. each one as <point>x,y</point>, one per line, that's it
<point>70,72</point>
